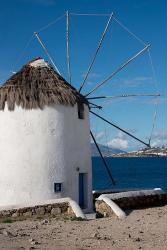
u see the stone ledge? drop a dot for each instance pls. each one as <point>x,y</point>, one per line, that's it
<point>141,202</point>
<point>103,210</point>
<point>52,209</point>
<point>125,201</point>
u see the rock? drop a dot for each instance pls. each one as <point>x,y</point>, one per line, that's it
<point>34,227</point>
<point>55,211</point>
<point>107,237</point>
<point>33,242</point>
<point>105,214</point>
<point>15,215</point>
<point>138,239</point>
<point>95,235</point>
<point>6,213</point>
<point>48,209</point>
<point>70,211</point>
<point>44,222</point>
<point>22,210</point>
<point>33,211</point>
<point>24,234</point>
<point>40,211</point>
<point>27,214</point>
<point>7,233</point>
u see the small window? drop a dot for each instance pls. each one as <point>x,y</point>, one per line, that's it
<point>57,187</point>
<point>80,110</point>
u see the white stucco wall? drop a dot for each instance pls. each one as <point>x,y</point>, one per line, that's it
<point>39,148</point>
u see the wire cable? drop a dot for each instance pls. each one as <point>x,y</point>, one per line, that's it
<point>130,32</point>
<point>157,98</point>
<point>23,52</point>
<point>51,23</point>
<point>96,52</point>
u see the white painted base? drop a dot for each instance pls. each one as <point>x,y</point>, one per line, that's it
<point>39,148</point>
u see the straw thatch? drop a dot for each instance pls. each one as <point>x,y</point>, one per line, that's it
<point>37,87</point>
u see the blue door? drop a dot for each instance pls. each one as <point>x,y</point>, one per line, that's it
<point>81,190</point>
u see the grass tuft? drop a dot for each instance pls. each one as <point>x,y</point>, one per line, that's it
<point>7,220</point>
<point>78,219</point>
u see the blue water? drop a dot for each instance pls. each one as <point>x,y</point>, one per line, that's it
<point>146,172</point>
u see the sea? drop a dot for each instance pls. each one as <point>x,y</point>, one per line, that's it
<point>130,173</point>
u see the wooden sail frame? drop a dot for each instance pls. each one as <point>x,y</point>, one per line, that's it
<point>121,67</point>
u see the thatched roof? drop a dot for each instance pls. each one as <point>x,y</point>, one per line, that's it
<point>37,85</point>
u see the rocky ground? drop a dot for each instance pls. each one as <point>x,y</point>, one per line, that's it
<point>142,229</point>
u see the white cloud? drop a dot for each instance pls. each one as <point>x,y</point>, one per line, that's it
<point>159,138</point>
<point>160,100</point>
<point>118,143</point>
<point>121,140</point>
<point>92,75</point>
<point>100,135</point>
<point>158,143</point>
<point>142,78</point>
<point>136,81</point>
<point>160,135</point>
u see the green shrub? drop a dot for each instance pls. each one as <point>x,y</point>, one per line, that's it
<point>78,219</point>
<point>7,220</point>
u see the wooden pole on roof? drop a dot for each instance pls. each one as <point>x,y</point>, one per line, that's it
<point>119,69</point>
<point>124,95</point>
<point>46,51</point>
<point>95,105</point>
<point>103,159</point>
<point>68,47</point>
<point>97,50</point>
<point>123,130</point>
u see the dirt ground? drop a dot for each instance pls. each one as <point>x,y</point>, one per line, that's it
<point>142,229</point>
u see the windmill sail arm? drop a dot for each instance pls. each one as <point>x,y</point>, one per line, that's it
<point>46,51</point>
<point>123,130</point>
<point>119,69</point>
<point>103,159</point>
<point>97,50</point>
<point>124,95</point>
<point>68,46</point>
<point>95,105</point>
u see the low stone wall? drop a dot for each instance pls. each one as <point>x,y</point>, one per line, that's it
<point>50,210</point>
<point>141,202</point>
<point>103,210</point>
<point>134,202</point>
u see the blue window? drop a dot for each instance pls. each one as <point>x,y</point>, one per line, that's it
<point>57,187</point>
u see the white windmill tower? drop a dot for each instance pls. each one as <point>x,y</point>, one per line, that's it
<point>45,132</point>
<point>44,140</point>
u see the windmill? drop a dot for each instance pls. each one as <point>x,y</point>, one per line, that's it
<point>91,96</point>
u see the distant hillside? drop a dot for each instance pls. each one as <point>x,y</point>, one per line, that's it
<point>106,151</point>
<point>146,152</point>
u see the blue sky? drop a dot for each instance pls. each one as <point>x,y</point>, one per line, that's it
<point>146,18</point>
